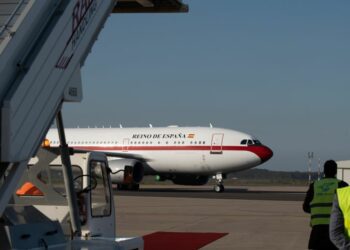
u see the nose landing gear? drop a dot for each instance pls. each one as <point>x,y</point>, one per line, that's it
<point>219,186</point>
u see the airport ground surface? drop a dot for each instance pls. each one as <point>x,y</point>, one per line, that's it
<point>253,217</point>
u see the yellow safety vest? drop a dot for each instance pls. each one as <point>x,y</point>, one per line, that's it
<point>321,204</point>
<point>344,204</point>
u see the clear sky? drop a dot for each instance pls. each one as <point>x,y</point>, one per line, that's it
<point>279,70</point>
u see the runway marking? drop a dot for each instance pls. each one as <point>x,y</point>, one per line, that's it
<point>241,194</point>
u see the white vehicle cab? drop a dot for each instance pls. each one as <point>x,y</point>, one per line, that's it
<point>40,213</point>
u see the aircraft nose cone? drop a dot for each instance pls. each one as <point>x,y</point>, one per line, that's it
<point>265,153</point>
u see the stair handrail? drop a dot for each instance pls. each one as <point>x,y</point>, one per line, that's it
<point>13,14</point>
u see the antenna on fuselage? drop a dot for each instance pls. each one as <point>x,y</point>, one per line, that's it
<point>210,125</point>
<point>150,125</point>
<point>120,126</point>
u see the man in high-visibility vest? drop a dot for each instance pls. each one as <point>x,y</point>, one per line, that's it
<point>339,227</point>
<point>318,202</point>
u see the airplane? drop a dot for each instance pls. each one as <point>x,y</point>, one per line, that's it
<point>184,155</point>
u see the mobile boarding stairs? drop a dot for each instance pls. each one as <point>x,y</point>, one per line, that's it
<point>43,45</point>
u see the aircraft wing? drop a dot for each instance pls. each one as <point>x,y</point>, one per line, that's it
<point>117,155</point>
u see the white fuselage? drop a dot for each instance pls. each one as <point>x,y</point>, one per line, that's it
<point>174,150</point>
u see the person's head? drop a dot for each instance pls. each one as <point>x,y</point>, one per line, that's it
<point>330,168</point>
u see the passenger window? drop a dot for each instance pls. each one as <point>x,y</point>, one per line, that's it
<point>243,142</point>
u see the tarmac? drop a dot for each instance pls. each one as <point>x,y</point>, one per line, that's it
<point>253,217</point>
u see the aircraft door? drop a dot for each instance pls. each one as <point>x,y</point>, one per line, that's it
<point>216,143</point>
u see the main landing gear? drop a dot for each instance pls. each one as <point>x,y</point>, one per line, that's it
<point>219,186</point>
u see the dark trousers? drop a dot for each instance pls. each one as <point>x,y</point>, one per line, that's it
<point>319,238</point>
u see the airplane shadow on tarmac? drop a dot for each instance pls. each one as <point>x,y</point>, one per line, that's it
<point>230,193</point>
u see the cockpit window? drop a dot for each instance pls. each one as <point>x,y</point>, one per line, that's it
<point>243,142</point>
<point>257,142</point>
<point>250,142</point>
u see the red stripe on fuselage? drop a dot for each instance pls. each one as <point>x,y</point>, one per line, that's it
<point>263,152</point>
<point>252,149</point>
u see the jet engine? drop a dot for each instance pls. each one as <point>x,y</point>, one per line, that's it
<point>126,171</point>
<point>195,180</point>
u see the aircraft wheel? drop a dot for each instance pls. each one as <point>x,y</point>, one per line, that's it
<point>132,186</point>
<point>135,187</point>
<point>219,188</point>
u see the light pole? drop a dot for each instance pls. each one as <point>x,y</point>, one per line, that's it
<point>310,155</point>
<point>319,169</point>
